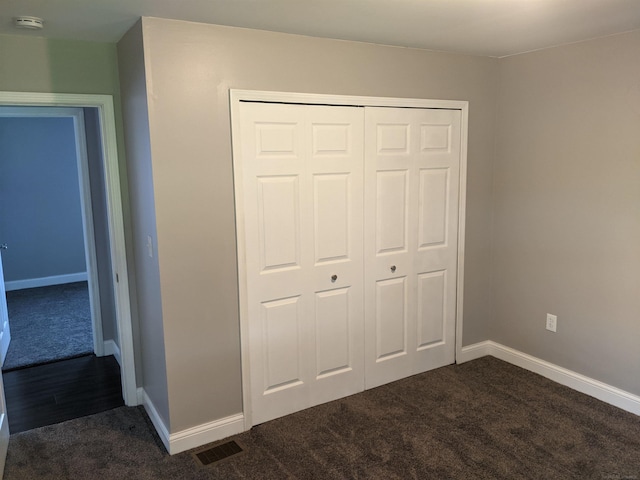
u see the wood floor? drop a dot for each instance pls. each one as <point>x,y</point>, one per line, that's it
<point>52,393</point>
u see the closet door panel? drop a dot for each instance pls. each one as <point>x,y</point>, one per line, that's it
<point>433,207</point>
<point>279,222</point>
<point>335,166</point>
<point>275,198</point>
<point>435,258</point>
<point>302,191</point>
<point>391,318</point>
<point>282,344</point>
<point>333,352</point>
<point>431,308</point>
<point>332,212</point>
<point>410,234</point>
<point>387,244</point>
<point>392,211</point>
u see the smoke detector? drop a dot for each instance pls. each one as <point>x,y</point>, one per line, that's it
<point>32,23</point>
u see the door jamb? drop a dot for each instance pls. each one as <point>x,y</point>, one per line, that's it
<point>238,96</point>
<point>119,273</point>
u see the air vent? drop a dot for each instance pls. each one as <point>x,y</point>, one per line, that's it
<point>219,452</point>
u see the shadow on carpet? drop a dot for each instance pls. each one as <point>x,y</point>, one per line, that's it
<point>48,324</point>
<point>484,419</point>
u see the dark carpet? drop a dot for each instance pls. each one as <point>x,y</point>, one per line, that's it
<point>48,324</point>
<point>484,419</point>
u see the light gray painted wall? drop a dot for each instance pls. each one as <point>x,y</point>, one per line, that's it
<point>567,194</point>
<point>189,71</point>
<point>40,213</point>
<point>150,348</point>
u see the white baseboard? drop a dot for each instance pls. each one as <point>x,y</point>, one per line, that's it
<point>206,433</point>
<point>595,388</point>
<point>195,436</point>
<point>471,352</point>
<point>45,281</point>
<point>157,421</point>
<point>111,348</point>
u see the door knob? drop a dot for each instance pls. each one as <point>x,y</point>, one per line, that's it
<point>4,246</point>
<point>393,268</point>
<point>334,278</point>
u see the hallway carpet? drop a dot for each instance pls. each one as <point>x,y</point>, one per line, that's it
<point>485,419</point>
<point>48,324</point>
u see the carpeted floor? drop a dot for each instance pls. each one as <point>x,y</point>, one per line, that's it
<point>484,419</point>
<point>48,324</point>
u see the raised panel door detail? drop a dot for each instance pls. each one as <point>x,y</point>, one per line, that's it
<point>332,332</point>
<point>435,137</point>
<point>431,308</point>
<point>281,344</point>
<point>391,318</point>
<point>279,222</point>
<point>391,211</point>
<point>276,140</point>
<point>331,216</point>
<point>393,139</point>
<point>434,194</point>
<point>330,139</point>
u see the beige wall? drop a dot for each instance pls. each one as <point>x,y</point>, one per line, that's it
<point>190,69</point>
<point>566,234</point>
<point>35,64</point>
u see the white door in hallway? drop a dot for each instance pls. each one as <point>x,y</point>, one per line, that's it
<point>412,177</point>
<point>301,224</point>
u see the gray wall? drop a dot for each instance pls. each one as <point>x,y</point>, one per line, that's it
<point>151,346</point>
<point>566,233</point>
<point>40,213</point>
<point>189,71</point>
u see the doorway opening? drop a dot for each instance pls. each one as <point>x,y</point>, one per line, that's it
<point>53,219</point>
<point>105,273</point>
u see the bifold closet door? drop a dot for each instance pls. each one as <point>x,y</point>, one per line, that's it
<point>303,227</point>
<point>411,234</point>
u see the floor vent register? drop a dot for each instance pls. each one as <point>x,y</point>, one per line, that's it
<point>218,453</point>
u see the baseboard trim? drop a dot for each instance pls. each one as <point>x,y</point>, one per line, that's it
<point>46,281</point>
<point>156,420</point>
<point>191,437</point>
<point>471,352</point>
<point>111,348</point>
<point>206,433</point>
<point>594,388</point>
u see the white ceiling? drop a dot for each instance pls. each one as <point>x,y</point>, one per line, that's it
<point>481,27</point>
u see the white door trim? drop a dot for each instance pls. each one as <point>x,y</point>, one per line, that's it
<point>238,96</point>
<point>120,278</point>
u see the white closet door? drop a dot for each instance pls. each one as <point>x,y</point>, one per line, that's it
<point>411,232</point>
<point>303,220</point>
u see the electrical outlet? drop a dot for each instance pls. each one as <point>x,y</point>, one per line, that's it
<point>149,246</point>
<point>552,322</point>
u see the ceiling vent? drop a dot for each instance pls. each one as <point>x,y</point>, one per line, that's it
<point>32,23</point>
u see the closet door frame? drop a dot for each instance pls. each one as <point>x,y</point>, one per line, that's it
<point>238,96</point>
